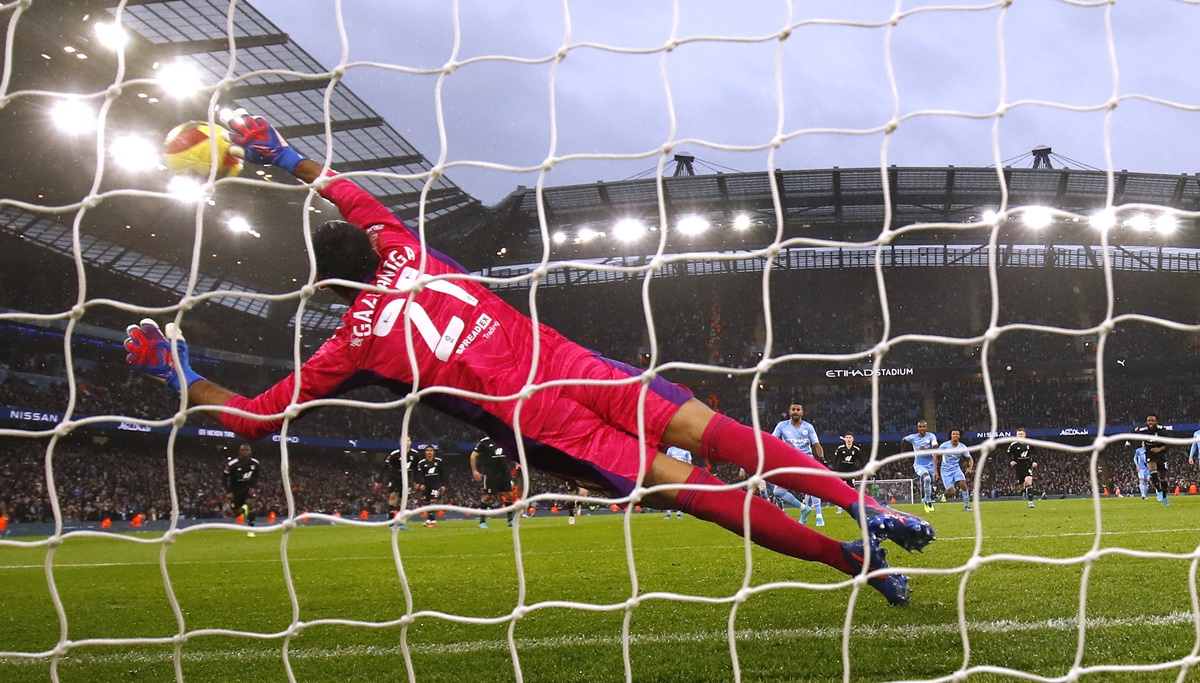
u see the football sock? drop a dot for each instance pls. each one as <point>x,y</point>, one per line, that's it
<point>927,482</point>
<point>1157,482</point>
<point>787,497</point>
<point>726,440</point>
<point>1142,487</point>
<point>770,527</point>
<point>1025,494</point>
<point>816,504</point>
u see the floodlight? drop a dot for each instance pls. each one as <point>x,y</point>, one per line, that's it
<point>179,79</point>
<point>134,153</point>
<point>587,235</point>
<point>628,230</point>
<point>692,225</point>
<point>239,224</point>
<point>1140,222</point>
<point>741,222</point>
<point>990,217</point>
<point>1037,217</point>
<point>74,116</point>
<point>559,237</point>
<point>1166,223</point>
<point>111,35</point>
<point>186,189</point>
<point>1103,220</point>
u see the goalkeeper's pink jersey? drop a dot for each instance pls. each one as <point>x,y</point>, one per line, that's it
<point>465,338</point>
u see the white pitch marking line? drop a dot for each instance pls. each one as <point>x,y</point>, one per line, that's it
<point>882,632</point>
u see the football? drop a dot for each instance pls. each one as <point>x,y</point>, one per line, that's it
<point>188,150</point>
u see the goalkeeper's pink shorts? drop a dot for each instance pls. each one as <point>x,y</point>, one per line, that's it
<point>589,433</point>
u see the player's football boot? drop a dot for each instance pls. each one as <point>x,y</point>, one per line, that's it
<point>893,586</point>
<point>1166,501</point>
<point>820,520</point>
<point>804,514</point>
<point>907,531</point>
<point>483,524</point>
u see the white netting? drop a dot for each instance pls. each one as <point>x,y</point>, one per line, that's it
<point>781,139</point>
<point>899,491</point>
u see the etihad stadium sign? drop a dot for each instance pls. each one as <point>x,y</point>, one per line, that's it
<point>869,372</point>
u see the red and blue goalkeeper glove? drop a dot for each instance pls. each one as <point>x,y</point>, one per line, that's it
<point>150,352</point>
<point>261,143</point>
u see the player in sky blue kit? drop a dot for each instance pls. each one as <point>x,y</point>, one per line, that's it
<point>1143,472</point>
<point>952,452</point>
<point>1194,451</point>
<point>682,456</point>
<point>802,436</point>
<point>923,443</point>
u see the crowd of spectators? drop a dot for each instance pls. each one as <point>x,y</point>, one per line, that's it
<point>1039,378</point>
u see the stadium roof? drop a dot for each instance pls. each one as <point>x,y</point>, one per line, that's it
<point>49,175</point>
<point>844,206</point>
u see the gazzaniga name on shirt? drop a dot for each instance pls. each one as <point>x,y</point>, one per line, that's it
<point>392,265</point>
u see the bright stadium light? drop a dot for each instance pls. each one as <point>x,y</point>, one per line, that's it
<point>111,35</point>
<point>741,222</point>
<point>559,237</point>
<point>692,225</point>
<point>1166,223</point>
<point>239,224</point>
<point>134,153</point>
<point>1103,220</point>
<point>179,79</point>
<point>74,116</point>
<point>1140,222</point>
<point>990,217</point>
<point>587,235</point>
<point>186,189</point>
<point>1037,217</point>
<point>628,230</point>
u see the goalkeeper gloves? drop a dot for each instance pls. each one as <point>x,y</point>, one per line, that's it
<point>150,352</point>
<point>261,143</point>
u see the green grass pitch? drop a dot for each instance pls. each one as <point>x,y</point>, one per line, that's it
<point>1020,615</point>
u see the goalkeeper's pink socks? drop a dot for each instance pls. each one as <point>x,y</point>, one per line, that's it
<point>770,527</point>
<point>727,440</point>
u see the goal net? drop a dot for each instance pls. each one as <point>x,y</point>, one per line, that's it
<point>891,491</point>
<point>981,217</point>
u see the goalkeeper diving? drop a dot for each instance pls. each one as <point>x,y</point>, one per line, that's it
<point>465,338</point>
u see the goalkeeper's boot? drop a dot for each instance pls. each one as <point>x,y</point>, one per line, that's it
<point>893,586</point>
<point>907,531</point>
